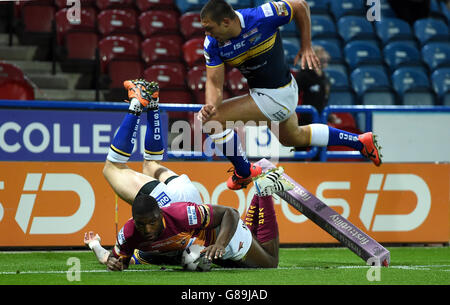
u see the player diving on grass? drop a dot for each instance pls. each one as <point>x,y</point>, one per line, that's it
<point>249,39</point>
<point>168,214</point>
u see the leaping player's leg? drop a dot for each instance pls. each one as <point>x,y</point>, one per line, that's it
<point>125,181</point>
<point>322,135</point>
<point>237,109</point>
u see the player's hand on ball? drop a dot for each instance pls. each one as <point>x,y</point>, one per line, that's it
<point>115,264</point>
<point>206,113</point>
<point>214,251</point>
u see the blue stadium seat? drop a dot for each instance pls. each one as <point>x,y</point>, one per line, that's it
<point>413,86</point>
<point>386,10</point>
<point>436,54</point>
<point>389,29</point>
<point>430,29</point>
<point>342,97</point>
<point>372,86</point>
<point>446,11</point>
<point>289,30</point>
<point>318,6</point>
<point>361,52</point>
<point>189,5</point>
<point>355,27</point>
<point>441,84</point>
<point>290,51</point>
<point>238,4</point>
<point>323,26</point>
<point>338,79</point>
<point>333,48</point>
<point>399,53</point>
<point>347,7</point>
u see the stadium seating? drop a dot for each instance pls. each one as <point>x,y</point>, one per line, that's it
<point>355,27</point>
<point>179,97</point>
<point>430,29</point>
<point>113,21</point>
<point>436,54</point>
<point>190,25</point>
<point>161,49</point>
<point>441,84</point>
<point>10,71</point>
<point>318,6</point>
<point>113,48</point>
<point>88,17</point>
<point>167,76</point>
<point>120,70</point>
<point>347,7</point>
<point>290,51</point>
<point>372,86</point>
<point>189,5</point>
<point>333,48</point>
<point>158,22</point>
<point>37,17</point>
<point>357,53</point>
<point>236,83</point>
<point>412,86</point>
<point>239,4</point>
<point>289,30</point>
<point>196,79</point>
<point>81,45</point>
<point>193,52</point>
<point>146,5</point>
<point>342,97</point>
<point>109,4</point>
<point>322,26</point>
<point>338,79</point>
<point>390,29</point>
<point>400,53</point>
<point>16,89</point>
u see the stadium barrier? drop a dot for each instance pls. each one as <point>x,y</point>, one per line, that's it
<point>52,188</point>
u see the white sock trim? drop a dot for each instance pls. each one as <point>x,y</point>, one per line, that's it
<point>223,137</point>
<point>115,157</point>
<point>320,134</point>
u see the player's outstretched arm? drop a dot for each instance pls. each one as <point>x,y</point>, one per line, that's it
<point>93,242</point>
<point>302,17</point>
<point>228,219</point>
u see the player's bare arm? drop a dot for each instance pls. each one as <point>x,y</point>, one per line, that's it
<point>228,219</point>
<point>302,17</point>
<point>215,77</point>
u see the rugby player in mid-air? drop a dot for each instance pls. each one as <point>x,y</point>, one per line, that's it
<point>249,39</point>
<point>168,213</point>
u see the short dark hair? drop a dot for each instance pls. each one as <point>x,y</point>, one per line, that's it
<point>144,204</point>
<point>217,10</point>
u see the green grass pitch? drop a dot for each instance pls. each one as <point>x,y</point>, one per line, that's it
<point>298,266</point>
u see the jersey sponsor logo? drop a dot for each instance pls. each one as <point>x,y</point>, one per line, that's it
<point>162,199</point>
<point>121,237</point>
<point>267,10</point>
<point>192,216</point>
<point>281,9</point>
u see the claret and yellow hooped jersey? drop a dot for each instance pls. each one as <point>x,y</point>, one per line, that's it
<point>258,51</point>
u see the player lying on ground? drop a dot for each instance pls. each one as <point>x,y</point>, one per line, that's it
<point>249,39</point>
<point>172,227</point>
<point>218,228</point>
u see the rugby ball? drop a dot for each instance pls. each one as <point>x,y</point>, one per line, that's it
<point>192,260</point>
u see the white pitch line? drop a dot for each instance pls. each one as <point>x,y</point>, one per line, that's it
<point>418,267</point>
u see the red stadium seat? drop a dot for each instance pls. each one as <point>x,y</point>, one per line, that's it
<point>158,22</point>
<point>121,70</point>
<point>81,45</point>
<point>10,72</point>
<point>193,52</point>
<point>160,49</point>
<point>145,5</point>
<point>16,89</point>
<point>196,79</point>
<point>38,18</point>
<point>63,26</point>
<point>116,48</point>
<point>167,77</point>
<point>112,21</point>
<point>236,83</point>
<point>83,3</point>
<point>190,25</point>
<point>178,97</point>
<point>178,66</point>
<point>108,4</point>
